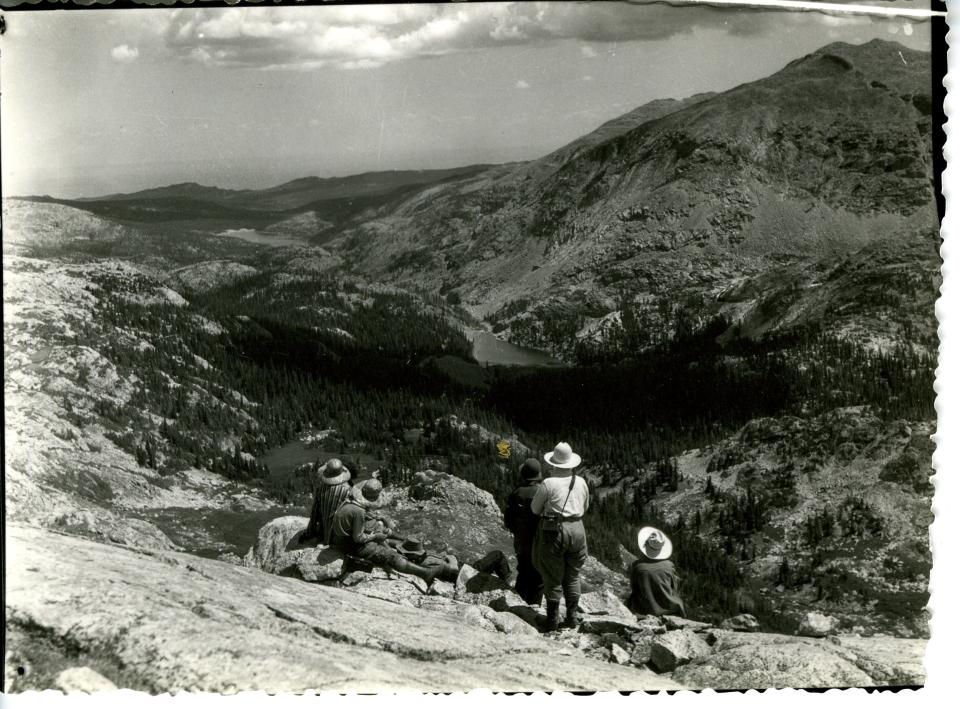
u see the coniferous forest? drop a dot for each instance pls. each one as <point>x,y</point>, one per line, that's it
<point>624,414</point>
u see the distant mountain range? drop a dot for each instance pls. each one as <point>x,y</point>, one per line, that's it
<point>692,201</point>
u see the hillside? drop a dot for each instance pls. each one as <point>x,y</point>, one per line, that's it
<point>743,301</point>
<point>688,202</point>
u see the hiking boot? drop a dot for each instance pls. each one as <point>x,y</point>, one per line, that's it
<point>552,621</point>
<point>572,619</point>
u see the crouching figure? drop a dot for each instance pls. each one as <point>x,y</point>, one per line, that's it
<point>348,533</point>
<point>654,585</point>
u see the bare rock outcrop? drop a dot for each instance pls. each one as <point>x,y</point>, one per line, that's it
<point>178,622</point>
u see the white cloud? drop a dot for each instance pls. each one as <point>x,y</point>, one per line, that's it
<point>124,53</point>
<point>521,84</point>
<point>364,36</point>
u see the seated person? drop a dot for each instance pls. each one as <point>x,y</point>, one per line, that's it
<point>331,486</point>
<point>348,533</point>
<point>495,562</point>
<point>654,584</point>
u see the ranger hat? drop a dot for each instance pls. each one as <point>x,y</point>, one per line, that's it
<point>562,457</point>
<point>369,494</point>
<point>333,472</point>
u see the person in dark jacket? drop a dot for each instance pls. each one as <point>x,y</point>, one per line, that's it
<point>348,533</point>
<point>654,585</point>
<point>522,523</point>
<point>331,486</point>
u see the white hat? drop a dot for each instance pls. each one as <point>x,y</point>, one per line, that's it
<point>562,457</point>
<point>654,544</point>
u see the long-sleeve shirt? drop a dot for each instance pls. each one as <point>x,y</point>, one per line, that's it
<point>348,532</point>
<point>549,500</point>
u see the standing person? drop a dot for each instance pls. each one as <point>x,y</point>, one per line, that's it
<point>560,550</point>
<point>349,536</point>
<point>522,523</point>
<point>654,585</point>
<point>331,487</point>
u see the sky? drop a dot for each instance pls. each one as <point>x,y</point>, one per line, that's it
<point>100,101</point>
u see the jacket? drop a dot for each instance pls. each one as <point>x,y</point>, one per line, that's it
<point>519,518</point>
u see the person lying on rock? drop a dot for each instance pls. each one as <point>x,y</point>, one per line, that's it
<point>349,536</point>
<point>331,486</point>
<point>522,523</point>
<point>560,550</point>
<point>654,585</point>
<point>495,562</point>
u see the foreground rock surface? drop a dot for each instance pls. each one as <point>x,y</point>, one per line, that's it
<point>178,622</point>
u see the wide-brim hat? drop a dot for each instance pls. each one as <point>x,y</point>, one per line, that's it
<point>530,470</point>
<point>356,494</point>
<point>562,457</point>
<point>412,549</point>
<point>341,477</point>
<point>649,539</point>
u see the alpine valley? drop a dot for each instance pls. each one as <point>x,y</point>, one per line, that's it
<point>729,312</point>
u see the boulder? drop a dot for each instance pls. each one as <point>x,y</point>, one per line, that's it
<point>744,623</point>
<point>509,623</point>
<point>471,582</point>
<point>650,625</point>
<point>611,639</point>
<point>675,648</point>
<point>641,651</point>
<point>602,612</point>
<point>800,663</point>
<point>278,547</point>
<point>82,679</point>
<point>320,564</point>
<point>817,625</point>
<point>619,655</point>
<point>674,622</point>
<point>510,602</point>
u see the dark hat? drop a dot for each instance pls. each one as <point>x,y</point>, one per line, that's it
<point>333,472</point>
<point>368,494</point>
<point>412,548</point>
<point>530,470</point>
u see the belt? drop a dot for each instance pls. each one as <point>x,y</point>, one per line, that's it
<point>577,518</point>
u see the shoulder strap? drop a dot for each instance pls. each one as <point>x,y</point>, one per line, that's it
<point>573,479</point>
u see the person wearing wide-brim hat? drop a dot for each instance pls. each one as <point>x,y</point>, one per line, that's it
<point>654,584</point>
<point>350,536</point>
<point>560,550</point>
<point>331,486</point>
<point>448,565</point>
<point>520,519</point>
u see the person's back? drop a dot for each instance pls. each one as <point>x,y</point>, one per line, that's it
<point>331,488</point>
<point>522,522</point>
<point>654,585</point>
<point>654,588</point>
<point>519,518</point>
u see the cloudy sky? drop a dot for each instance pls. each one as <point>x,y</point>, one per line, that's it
<point>100,101</point>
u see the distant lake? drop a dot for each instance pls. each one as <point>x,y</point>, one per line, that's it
<point>256,237</point>
<point>284,459</point>
<point>488,349</point>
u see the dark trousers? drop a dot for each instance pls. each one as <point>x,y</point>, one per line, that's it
<point>529,584</point>
<point>559,555</point>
